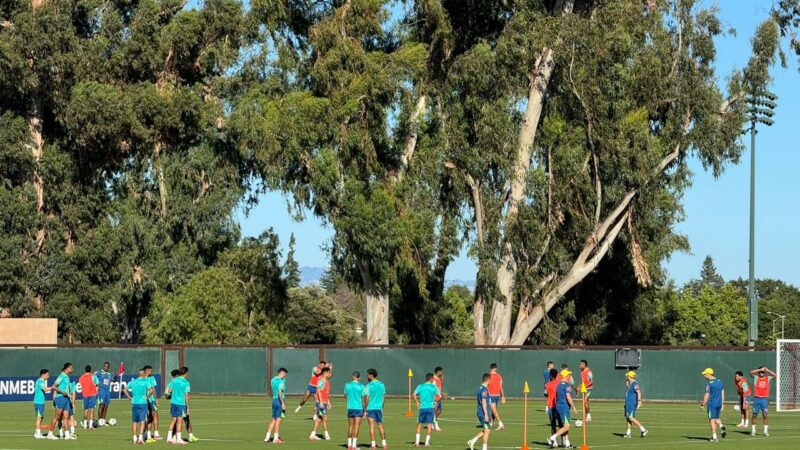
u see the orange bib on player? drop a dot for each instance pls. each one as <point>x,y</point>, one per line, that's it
<point>495,382</point>
<point>761,388</point>
<point>585,374</point>
<point>88,388</point>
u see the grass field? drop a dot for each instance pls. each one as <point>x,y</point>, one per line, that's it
<point>239,423</point>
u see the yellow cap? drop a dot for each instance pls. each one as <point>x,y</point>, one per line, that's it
<point>631,374</point>
<point>708,371</point>
<point>565,373</point>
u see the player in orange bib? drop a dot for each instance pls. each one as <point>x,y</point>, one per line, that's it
<point>311,389</point>
<point>761,379</point>
<point>496,393</point>
<point>587,379</point>
<point>323,404</point>
<point>438,380</point>
<point>743,389</point>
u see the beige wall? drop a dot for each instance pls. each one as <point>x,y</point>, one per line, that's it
<point>29,331</point>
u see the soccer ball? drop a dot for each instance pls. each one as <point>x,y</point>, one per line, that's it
<point>102,422</point>
<point>736,408</point>
<point>578,423</point>
<point>112,421</point>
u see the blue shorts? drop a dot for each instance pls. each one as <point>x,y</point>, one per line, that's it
<point>177,410</point>
<point>760,405</point>
<point>38,409</point>
<point>61,402</point>
<point>439,406</point>
<point>485,422</point>
<point>321,408</point>
<point>494,399</point>
<point>630,411</point>
<point>311,389</point>
<point>90,402</point>
<point>354,413</point>
<point>104,397</point>
<point>138,413</point>
<point>376,415</point>
<point>426,415</point>
<point>713,412</point>
<point>277,409</point>
<point>565,415</point>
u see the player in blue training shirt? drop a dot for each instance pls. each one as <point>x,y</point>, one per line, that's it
<point>546,378</point>
<point>356,395</point>
<point>179,390</point>
<point>138,390</point>
<point>376,392</point>
<point>425,396</point>
<point>152,407</point>
<point>39,391</point>
<point>713,400</point>
<point>564,405</point>
<point>278,385</point>
<point>484,414</point>
<point>61,400</point>
<point>633,400</point>
<point>104,379</point>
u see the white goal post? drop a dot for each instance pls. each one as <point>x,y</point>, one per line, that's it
<point>787,366</point>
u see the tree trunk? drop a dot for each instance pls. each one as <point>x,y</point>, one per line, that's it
<point>377,318</point>
<point>158,166</point>
<point>477,319</point>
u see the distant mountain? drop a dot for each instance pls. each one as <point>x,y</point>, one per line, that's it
<point>312,275</point>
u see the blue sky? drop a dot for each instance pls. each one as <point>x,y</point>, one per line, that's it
<point>717,210</point>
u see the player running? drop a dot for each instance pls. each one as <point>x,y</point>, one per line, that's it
<point>104,378</point>
<point>138,390</point>
<point>550,397</point>
<point>714,400</point>
<point>587,380</point>
<point>152,407</point>
<point>484,413</point>
<point>633,401</point>
<point>564,406</point>
<point>743,389</point>
<point>322,403</point>
<point>179,389</point>
<point>311,389</point>
<point>278,385</point>
<point>376,392</point>
<point>39,390</point>
<point>355,393</point>
<point>89,383</point>
<point>438,380</point>
<point>425,396</point>
<point>496,394</point>
<point>761,378</point>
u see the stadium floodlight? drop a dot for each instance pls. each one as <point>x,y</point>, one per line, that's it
<point>760,110</point>
<point>778,317</point>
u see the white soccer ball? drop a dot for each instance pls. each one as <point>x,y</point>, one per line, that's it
<point>736,408</point>
<point>112,421</point>
<point>578,423</point>
<point>102,422</point>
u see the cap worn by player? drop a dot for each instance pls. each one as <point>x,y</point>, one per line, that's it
<point>708,371</point>
<point>631,374</point>
<point>565,373</point>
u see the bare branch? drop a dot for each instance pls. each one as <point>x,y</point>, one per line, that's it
<point>411,140</point>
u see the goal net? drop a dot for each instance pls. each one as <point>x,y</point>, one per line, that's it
<point>788,381</point>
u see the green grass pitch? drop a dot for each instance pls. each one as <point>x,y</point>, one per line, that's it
<point>239,423</point>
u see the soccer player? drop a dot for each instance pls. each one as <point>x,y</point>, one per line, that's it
<point>425,396</point>
<point>73,395</point>
<point>278,385</point>
<point>550,394</point>
<point>323,403</point>
<point>438,380</point>
<point>484,413</point>
<point>564,405</point>
<point>61,401</point>
<point>743,389</point>
<point>633,401</point>
<point>376,391</point>
<point>550,366</point>
<point>587,380</point>
<point>179,390</point>
<point>761,381</point>
<point>104,390</point>
<point>152,407</point>
<point>713,400</point>
<point>496,394</point>
<point>138,390</point>
<point>356,394</point>
<point>89,383</point>
<point>186,417</point>
<point>39,391</point>
<point>311,389</point>
<point>570,380</point>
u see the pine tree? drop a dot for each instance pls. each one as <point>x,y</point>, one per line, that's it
<point>291,269</point>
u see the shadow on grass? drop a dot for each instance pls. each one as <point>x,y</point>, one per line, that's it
<point>695,438</point>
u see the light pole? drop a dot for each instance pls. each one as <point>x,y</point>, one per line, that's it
<point>760,110</point>
<point>782,319</point>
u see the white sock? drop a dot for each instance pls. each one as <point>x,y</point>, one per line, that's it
<point>628,432</point>
<point>191,435</point>
<point>266,438</point>
<point>179,436</point>
<point>141,437</point>
<point>747,422</point>
<point>147,434</point>
<point>714,436</point>
<point>566,442</point>
<point>72,430</point>
<point>169,435</point>
<point>373,444</point>
<point>485,446</point>
<point>156,434</point>
<point>766,428</point>
<point>473,441</point>
<point>134,439</point>
<point>383,443</point>
<point>417,441</point>
<point>355,442</point>
<point>754,429</point>
<point>641,429</point>
<point>501,423</point>
<point>327,435</point>
<point>275,438</point>
<point>553,437</point>
<point>427,439</point>
<point>61,432</point>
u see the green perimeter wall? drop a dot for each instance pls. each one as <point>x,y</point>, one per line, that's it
<point>664,375</point>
